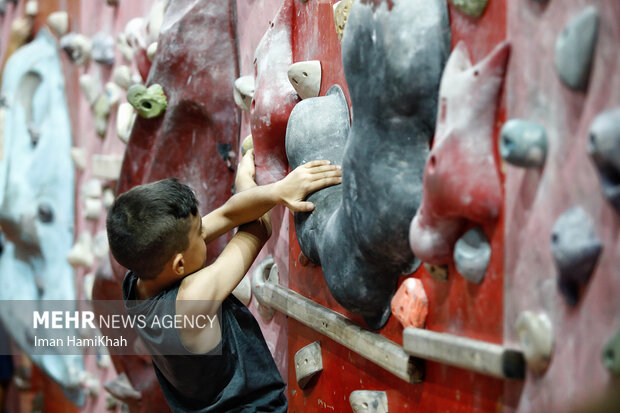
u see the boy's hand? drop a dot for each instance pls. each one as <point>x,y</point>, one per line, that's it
<point>304,180</point>
<point>246,172</point>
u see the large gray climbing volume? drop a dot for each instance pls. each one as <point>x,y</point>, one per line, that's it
<point>604,150</point>
<point>574,49</point>
<point>393,62</point>
<point>575,248</point>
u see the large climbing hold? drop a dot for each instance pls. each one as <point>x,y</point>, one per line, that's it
<point>574,49</point>
<point>37,201</point>
<point>604,150</point>
<point>274,97</point>
<point>461,179</point>
<point>358,231</point>
<point>523,143</point>
<point>575,248</point>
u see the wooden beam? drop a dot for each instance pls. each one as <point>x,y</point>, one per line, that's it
<point>371,346</point>
<point>479,356</point>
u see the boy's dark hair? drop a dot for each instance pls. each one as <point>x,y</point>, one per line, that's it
<point>150,223</point>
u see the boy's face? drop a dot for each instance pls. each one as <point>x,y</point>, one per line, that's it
<point>196,253</point>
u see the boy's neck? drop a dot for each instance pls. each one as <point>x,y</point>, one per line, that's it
<point>150,288</point>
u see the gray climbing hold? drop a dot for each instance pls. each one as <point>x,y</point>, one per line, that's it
<point>575,248</point>
<point>45,213</point>
<point>2,7</point>
<point>523,143</point>
<point>366,401</point>
<point>473,8</point>
<point>103,48</point>
<point>472,254</point>
<point>611,354</point>
<point>604,149</point>
<point>308,363</point>
<point>306,140</point>
<point>392,60</point>
<point>149,103</point>
<point>574,49</point>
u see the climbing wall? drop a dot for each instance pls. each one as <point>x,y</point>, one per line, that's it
<point>513,223</point>
<point>455,305</point>
<point>572,81</point>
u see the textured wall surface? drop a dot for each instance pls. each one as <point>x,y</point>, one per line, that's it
<point>535,198</point>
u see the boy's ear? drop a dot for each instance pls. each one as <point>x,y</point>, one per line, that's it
<point>178,264</point>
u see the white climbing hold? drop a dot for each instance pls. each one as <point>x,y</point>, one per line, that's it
<point>107,166</point>
<point>92,189</point>
<point>125,118</point>
<point>306,78</point>
<point>123,46</point>
<point>243,291</point>
<point>108,197</point>
<point>151,51</point>
<point>89,88</point>
<point>122,76</point>
<point>32,8</point>
<point>93,208</point>
<point>101,246</point>
<point>243,92</point>
<point>536,337</point>
<point>78,156</point>
<point>308,363</point>
<point>366,401</point>
<point>81,253</point>
<point>58,22</point>
<point>114,93</point>
<point>89,282</point>
<point>156,19</point>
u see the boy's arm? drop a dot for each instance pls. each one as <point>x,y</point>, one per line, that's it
<point>202,292</point>
<point>251,201</point>
<point>217,281</point>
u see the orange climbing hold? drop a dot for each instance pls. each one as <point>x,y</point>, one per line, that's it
<point>410,304</point>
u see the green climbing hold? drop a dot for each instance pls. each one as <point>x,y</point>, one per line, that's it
<point>611,354</point>
<point>473,8</point>
<point>149,103</point>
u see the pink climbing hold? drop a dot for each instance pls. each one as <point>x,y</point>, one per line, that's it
<point>410,304</point>
<point>461,179</point>
<point>274,97</point>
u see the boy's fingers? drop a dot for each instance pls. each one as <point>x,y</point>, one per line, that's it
<point>312,164</point>
<point>325,182</point>
<point>326,175</point>
<point>324,168</point>
<point>302,206</point>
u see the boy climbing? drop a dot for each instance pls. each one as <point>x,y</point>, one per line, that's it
<point>155,231</point>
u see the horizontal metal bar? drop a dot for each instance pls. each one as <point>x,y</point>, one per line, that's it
<point>475,355</point>
<point>367,344</point>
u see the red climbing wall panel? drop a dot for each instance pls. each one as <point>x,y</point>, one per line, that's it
<point>455,306</point>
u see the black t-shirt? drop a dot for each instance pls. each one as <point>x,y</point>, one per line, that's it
<point>239,375</point>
